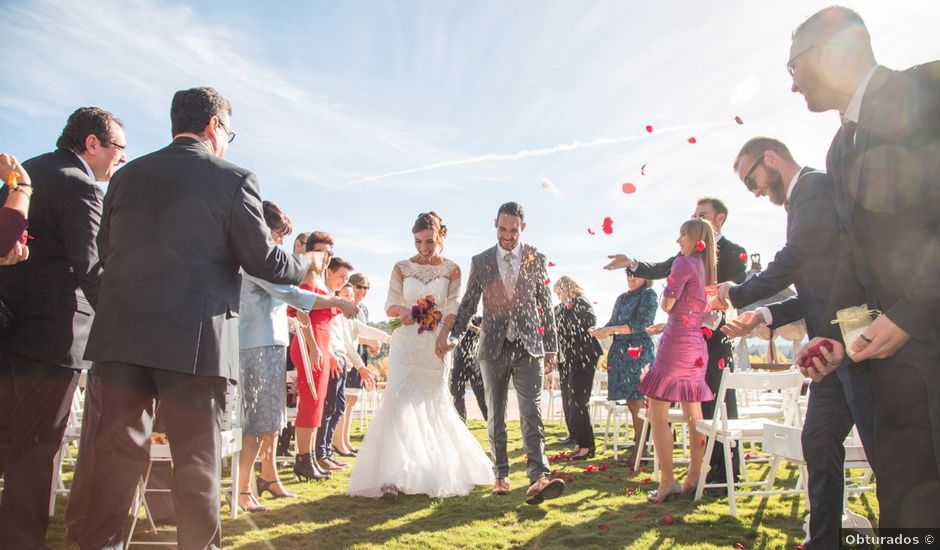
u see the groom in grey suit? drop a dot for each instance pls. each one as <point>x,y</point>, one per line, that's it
<point>518,330</point>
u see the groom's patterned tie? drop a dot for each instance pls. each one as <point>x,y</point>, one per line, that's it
<point>509,283</point>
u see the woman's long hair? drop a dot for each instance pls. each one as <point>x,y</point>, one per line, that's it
<point>700,230</point>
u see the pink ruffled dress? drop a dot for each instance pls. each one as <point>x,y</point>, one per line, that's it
<point>678,373</point>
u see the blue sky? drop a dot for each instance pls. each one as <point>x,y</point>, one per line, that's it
<point>357,116</point>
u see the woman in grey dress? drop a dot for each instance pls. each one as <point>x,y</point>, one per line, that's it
<point>262,331</point>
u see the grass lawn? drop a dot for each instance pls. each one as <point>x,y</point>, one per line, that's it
<point>604,509</point>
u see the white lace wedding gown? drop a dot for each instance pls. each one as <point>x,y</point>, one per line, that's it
<point>417,443</point>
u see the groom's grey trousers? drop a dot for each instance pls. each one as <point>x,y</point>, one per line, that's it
<point>526,372</point>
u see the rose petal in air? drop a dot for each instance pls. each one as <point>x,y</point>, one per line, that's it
<point>629,187</point>
<point>551,264</point>
<point>649,129</point>
<point>738,120</point>
<point>541,331</point>
<point>685,320</point>
<point>643,170</point>
<point>700,246</point>
<point>700,362</point>
<point>547,281</point>
<point>591,231</point>
<point>692,140</point>
<point>608,226</point>
<point>721,363</point>
<point>743,257</point>
<point>670,280</point>
<point>707,332</point>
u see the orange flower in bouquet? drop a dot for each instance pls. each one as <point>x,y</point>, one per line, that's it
<point>425,314</point>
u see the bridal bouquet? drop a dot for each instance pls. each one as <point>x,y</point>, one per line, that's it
<point>424,314</point>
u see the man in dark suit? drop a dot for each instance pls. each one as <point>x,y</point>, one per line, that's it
<point>517,335</point>
<point>52,296</point>
<point>731,267</point>
<point>836,403</point>
<point>467,369</point>
<point>883,165</point>
<point>176,226</point>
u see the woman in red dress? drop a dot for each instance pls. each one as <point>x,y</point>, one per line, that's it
<point>317,335</point>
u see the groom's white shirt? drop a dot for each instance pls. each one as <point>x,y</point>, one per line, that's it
<point>516,261</point>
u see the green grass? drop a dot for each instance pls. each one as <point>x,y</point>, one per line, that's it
<point>322,516</point>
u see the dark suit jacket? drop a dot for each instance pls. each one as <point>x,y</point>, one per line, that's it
<point>887,194</point>
<point>177,225</point>
<point>53,294</point>
<point>730,266</point>
<point>577,346</point>
<point>530,308</point>
<point>807,260</point>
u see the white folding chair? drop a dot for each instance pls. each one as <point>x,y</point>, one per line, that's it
<point>733,432</point>
<point>598,402</point>
<point>675,418</point>
<point>618,415</point>
<point>554,395</point>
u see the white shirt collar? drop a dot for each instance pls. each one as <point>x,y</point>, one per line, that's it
<point>854,109</point>
<point>88,169</point>
<point>517,251</point>
<point>796,178</point>
<point>718,237</point>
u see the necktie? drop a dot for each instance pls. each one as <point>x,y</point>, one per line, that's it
<point>509,283</point>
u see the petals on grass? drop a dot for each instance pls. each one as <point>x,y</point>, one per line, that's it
<point>603,526</point>
<point>743,257</point>
<point>699,362</point>
<point>646,480</point>
<point>629,187</point>
<point>667,519</point>
<point>692,140</point>
<point>721,363</point>
<point>591,231</point>
<point>738,119</point>
<point>649,129</point>
<point>707,332</point>
<point>608,226</point>
<point>635,352</point>
<point>747,456</point>
<point>590,469</point>
<point>700,246</point>
<point>739,545</point>
<point>602,467</point>
<point>640,515</point>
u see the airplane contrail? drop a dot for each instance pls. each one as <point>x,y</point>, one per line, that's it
<point>530,153</point>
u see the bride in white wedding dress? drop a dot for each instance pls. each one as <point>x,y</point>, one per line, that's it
<point>417,444</point>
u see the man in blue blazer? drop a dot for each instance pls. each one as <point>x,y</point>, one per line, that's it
<point>883,168</point>
<point>807,261</point>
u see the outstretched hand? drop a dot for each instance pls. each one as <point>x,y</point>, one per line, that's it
<point>653,330</point>
<point>618,261</point>
<point>743,325</point>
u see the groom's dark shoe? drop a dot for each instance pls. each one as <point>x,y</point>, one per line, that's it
<point>501,487</point>
<point>544,489</point>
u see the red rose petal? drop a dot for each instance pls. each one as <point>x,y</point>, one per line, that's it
<point>702,442</point>
<point>700,246</point>
<point>649,129</point>
<point>635,352</point>
<point>569,305</point>
<point>602,468</point>
<point>638,516</point>
<point>547,281</point>
<point>747,456</point>
<point>739,545</point>
<point>738,120</point>
<point>541,331</point>
<point>707,332</point>
<point>692,140</point>
<point>608,226</point>
<point>667,519</point>
<point>721,363</point>
<point>670,280</point>
<point>743,257</point>
<point>699,362</point>
<point>629,187</point>
<point>685,320</point>
<point>590,469</point>
<point>643,170</point>
<point>603,526</point>
<point>551,264</point>
<point>591,231</point>
<point>539,308</point>
<point>646,480</point>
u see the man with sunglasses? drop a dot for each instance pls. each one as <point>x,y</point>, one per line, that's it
<point>883,166</point>
<point>52,297</point>
<point>177,225</point>
<point>731,267</point>
<point>836,403</point>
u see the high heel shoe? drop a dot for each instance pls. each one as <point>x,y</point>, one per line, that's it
<point>343,454</point>
<point>253,507</point>
<point>305,469</point>
<point>690,492</point>
<point>263,485</point>
<point>585,456</point>
<point>655,498</point>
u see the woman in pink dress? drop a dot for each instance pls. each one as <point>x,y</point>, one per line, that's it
<point>678,372</point>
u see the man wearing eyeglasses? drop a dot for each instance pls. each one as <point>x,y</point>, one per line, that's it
<point>731,267</point>
<point>836,403</point>
<point>52,297</point>
<point>177,225</point>
<point>883,166</point>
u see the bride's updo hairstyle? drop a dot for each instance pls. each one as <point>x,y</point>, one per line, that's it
<point>432,221</point>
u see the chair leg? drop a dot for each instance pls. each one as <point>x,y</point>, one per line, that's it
<point>606,429</point>
<point>616,416</point>
<point>729,478</point>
